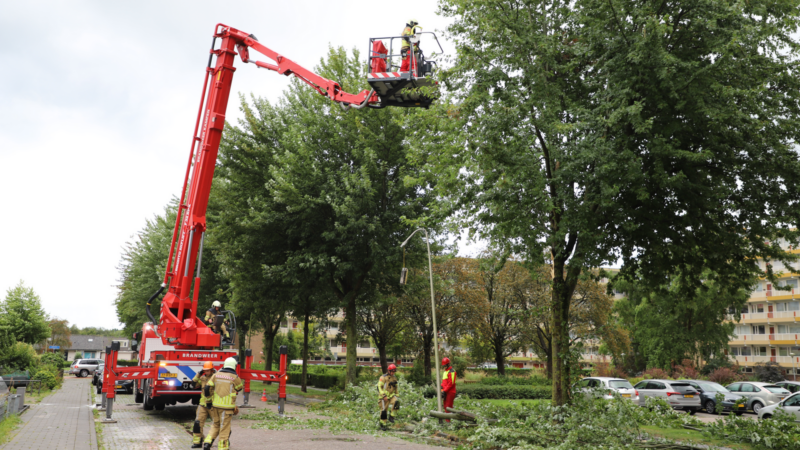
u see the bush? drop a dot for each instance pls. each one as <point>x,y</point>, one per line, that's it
<point>49,377</point>
<point>460,365</point>
<point>716,363</point>
<point>321,381</point>
<point>685,370</point>
<point>508,392</point>
<point>20,356</point>
<point>725,375</point>
<point>417,374</point>
<point>769,372</point>
<point>505,381</point>
<point>127,362</point>
<point>53,359</point>
<point>656,373</point>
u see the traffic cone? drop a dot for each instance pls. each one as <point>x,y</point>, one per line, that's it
<point>264,396</point>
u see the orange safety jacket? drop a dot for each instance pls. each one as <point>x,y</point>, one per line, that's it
<point>449,380</point>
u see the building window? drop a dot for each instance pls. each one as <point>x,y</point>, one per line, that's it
<point>758,329</point>
<point>791,284</point>
<point>734,351</point>
<point>364,344</point>
<point>783,351</point>
<point>762,351</point>
<point>284,324</point>
<point>294,325</point>
<point>793,306</point>
<point>333,326</point>
<point>747,370</point>
<point>760,308</point>
<point>745,351</point>
<point>780,307</point>
<point>745,309</point>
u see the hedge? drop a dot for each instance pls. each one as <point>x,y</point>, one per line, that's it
<point>508,392</point>
<point>317,380</point>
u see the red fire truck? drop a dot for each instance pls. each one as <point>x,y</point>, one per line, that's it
<point>173,349</point>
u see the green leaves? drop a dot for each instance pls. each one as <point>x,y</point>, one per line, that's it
<point>22,315</point>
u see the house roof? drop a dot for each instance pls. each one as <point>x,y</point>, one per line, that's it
<point>87,342</point>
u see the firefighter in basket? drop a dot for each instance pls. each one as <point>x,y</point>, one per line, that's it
<point>220,393</point>
<point>200,380</point>
<point>405,49</point>
<point>211,316</point>
<point>387,395</point>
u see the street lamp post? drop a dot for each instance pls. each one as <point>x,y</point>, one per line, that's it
<point>433,313</point>
<point>794,365</point>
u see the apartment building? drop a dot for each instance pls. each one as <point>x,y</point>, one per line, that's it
<point>336,347</point>
<point>768,327</point>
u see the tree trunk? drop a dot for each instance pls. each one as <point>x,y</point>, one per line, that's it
<point>560,344</point>
<point>498,357</point>
<point>269,339</point>
<point>382,355</point>
<point>352,338</point>
<point>549,362</point>
<point>305,355</point>
<point>427,349</point>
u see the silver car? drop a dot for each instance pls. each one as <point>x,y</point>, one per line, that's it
<point>83,367</point>
<point>791,386</point>
<point>608,387</point>
<point>790,404</point>
<point>758,394</point>
<point>679,394</point>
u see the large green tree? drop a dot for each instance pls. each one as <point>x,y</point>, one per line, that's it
<point>650,132</point>
<point>692,316</point>
<point>329,185</point>
<point>22,314</point>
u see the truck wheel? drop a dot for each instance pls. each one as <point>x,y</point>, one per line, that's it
<point>147,402</point>
<point>139,397</point>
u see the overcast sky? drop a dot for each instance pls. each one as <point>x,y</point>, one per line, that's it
<point>99,101</point>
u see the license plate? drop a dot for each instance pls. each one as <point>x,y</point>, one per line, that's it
<point>118,386</point>
<point>688,396</point>
<point>740,406</point>
<point>626,395</point>
<point>168,375</point>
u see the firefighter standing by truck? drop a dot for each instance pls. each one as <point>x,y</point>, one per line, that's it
<point>405,49</point>
<point>220,393</point>
<point>448,384</point>
<point>200,380</point>
<point>387,395</point>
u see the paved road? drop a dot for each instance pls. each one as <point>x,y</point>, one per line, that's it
<point>62,421</point>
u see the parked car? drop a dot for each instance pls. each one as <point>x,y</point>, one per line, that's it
<point>791,386</point>
<point>84,367</point>
<point>488,366</point>
<point>608,388</point>
<point>758,394</point>
<point>679,394</point>
<point>122,385</point>
<point>791,405</point>
<point>708,397</point>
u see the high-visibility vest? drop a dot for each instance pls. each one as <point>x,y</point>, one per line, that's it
<point>225,385</point>
<point>202,378</point>
<point>384,387</point>
<point>449,379</point>
<point>407,31</point>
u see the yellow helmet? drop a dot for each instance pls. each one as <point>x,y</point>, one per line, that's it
<point>412,22</point>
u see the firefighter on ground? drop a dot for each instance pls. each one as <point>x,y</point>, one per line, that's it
<point>211,316</point>
<point>448,384</point>
<point>220,393</point>
<point>200,380</point>
<point>387,395</point>
<point>405,50</point>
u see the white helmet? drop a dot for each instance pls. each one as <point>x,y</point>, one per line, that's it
<point>413,22</point>
<point>230,363</point>
<point>216,304</point>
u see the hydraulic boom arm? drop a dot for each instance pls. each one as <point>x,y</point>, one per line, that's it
<point>179,325</point>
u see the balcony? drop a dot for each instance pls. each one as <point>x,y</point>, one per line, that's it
<point>784,337</point>
<point>751,337</point>
<point>746,360</point>
<point>768,294</point>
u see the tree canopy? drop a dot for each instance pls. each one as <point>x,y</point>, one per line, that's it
<point>22,315</point>
<point>651,132</point>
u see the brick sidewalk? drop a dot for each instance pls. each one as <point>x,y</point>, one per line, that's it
<point>62,421</point>
<point>137,429</point>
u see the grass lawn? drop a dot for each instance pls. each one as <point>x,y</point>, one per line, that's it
<point>692,437</point>
<point>256,387</point>
<point>7,426</point>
